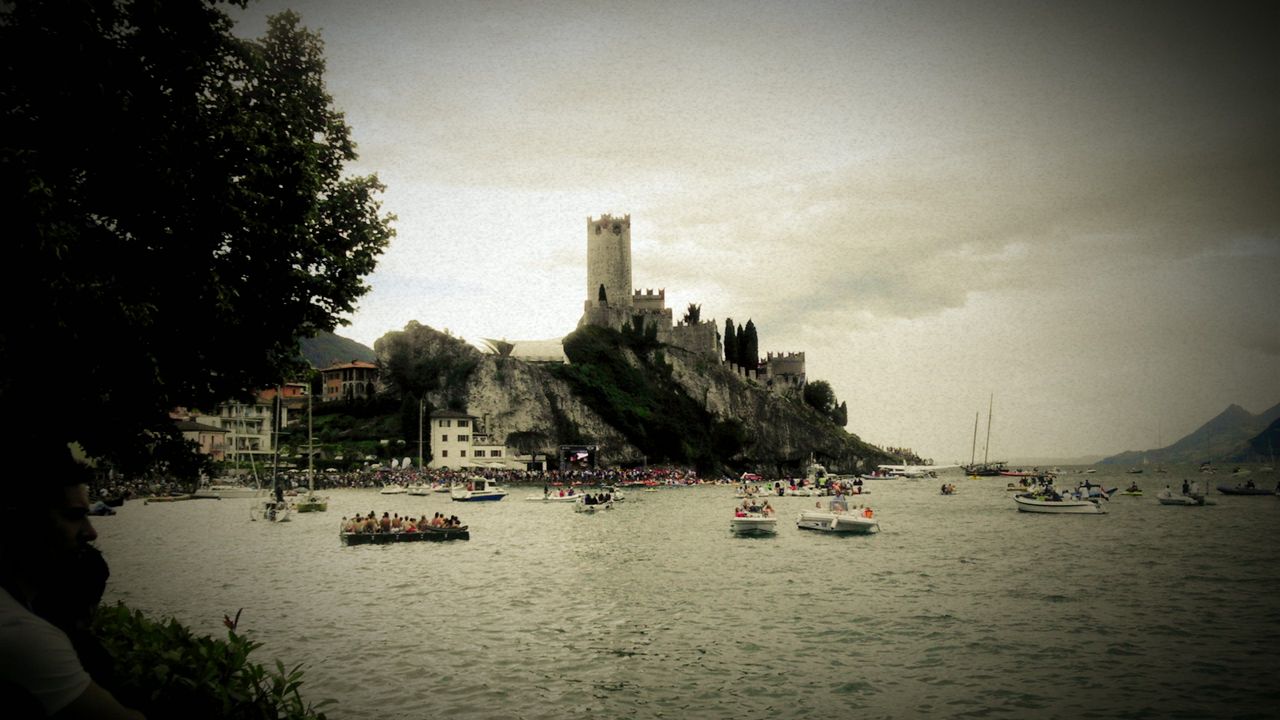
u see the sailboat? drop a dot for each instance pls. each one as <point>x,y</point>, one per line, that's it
<point>986,469</point>
<point>275,508</point>
<point>312,502</point>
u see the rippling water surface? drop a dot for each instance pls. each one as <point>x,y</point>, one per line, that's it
<point>961,606</point>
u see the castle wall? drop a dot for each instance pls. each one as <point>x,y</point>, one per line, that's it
<point>701,338</point>
<point>609,260</point>
<point>648,300</point>
<point>785,363</point>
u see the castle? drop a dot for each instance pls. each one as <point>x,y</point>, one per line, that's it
<point>611,302</point>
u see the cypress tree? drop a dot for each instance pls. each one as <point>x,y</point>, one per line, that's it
<point>749,346</point>
<point>730,342</point>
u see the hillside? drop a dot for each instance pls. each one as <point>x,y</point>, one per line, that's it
<point>638,400</point>
<point>326,348</point>
<point>1234,435</point>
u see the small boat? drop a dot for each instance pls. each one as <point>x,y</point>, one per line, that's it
<point>393,489</point>
<point>419,535</point>
<point>419,489</point>
<point>1132,491</point>
<point>1247,489</point>
<point>1169,497</point>
<point>553,498</point>
<point>583,506</point>
<point>477,488</point>
<point>1047,499</point>
<point>753,523</point>
<point>848,522</point>
<point>312,503</point>
<point>273,511</point>
<point>223,492</point>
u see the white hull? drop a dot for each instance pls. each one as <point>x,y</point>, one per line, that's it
<point>1168,497</point>
<point>473,495</point>
<point>553,498</point>
<point>420,489</point>
<point>592,508</point>
<point>845,523</point>
<point>477,489</point>
<point>754,524</point>
<point>1058,507</point>
<point>229,491</point>
<point>393,490</point>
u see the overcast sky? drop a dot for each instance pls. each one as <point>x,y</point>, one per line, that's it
<point>1073,207</point>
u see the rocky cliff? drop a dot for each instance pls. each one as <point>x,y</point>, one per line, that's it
<point>647,401</point>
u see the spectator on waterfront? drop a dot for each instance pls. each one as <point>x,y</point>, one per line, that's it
<point>51,579</point>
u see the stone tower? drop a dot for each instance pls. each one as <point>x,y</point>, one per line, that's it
<point>608,261</point>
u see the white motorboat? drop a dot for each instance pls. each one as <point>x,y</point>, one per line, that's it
<point>1059,504</point>
<point>553,498</point>
<point>419,489</point>
<point>753,523</point>
<point>229,491</point>
<point>477,488</point>
<point>393,489</point>
<point>856,522</point>
<point>1169,497</point>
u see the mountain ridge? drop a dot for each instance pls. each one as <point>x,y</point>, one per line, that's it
<point>1233,435</point>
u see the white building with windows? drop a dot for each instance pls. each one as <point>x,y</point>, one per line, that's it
<point>460,440</point>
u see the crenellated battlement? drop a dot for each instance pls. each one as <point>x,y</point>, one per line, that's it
<point>607,224</point>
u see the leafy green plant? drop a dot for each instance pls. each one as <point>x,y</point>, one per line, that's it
<point>163,669</point>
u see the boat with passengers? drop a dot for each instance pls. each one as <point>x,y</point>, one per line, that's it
<point>477,488</point>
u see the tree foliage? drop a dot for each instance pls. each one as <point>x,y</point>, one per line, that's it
<point>176,205</point>
<point>819,395</point>
<point>730,342</point>
<point>420,361</point>
<point>749,346</point>
<point>692,314</point>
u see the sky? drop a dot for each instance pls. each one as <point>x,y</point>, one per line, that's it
<point>1066,212</point>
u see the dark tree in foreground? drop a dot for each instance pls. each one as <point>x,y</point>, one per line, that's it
<point>176,211</point>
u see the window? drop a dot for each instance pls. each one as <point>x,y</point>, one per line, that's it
<point>444,453</point>
<point>462,453</point>
<point>444,438</point>
<point>464,438</point>
<point>495,453</point>
<point>464,423</point>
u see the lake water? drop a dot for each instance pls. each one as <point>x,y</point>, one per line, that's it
<point>961,606</point>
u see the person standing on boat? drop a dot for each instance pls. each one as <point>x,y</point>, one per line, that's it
<point>1186,486</point>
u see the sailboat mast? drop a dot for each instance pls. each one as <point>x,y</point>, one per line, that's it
<point>973,451</point>
<point>311,463</point>
<point>987,447</point>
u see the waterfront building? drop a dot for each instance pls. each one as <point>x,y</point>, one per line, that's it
<point>355,380</point>
<point>460,440</point>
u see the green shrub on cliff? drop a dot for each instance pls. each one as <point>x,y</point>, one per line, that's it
<point>642,400</point>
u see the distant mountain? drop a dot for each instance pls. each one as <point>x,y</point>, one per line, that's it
<point>1235,435</point>
<point>326,349</point>
<point>1267,442</point>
